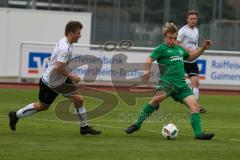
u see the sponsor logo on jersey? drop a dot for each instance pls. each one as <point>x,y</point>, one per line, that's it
<point>176,58</point>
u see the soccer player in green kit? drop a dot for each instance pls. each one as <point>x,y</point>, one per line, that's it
<point>172,56</point>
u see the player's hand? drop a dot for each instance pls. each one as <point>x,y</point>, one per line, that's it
<point>206,43</point>
<point>145,77</point>
<point>74,78</point>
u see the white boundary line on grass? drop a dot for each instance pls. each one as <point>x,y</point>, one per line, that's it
<point>108,126</point>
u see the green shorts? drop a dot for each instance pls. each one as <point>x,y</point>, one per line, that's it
<point>178,91</point>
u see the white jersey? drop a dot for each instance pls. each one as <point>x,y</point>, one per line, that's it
<point>188,37</point>
<point>61,53</point>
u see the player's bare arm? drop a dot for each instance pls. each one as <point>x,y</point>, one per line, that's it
<point>199,51</point>
<point>145,77</point>
<point>61,69</point>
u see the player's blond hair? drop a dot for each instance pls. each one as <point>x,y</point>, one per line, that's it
<point>169,28</point>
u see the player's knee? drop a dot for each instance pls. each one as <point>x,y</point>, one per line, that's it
<point>195,110</point>
<point>78,100</point>
<point>195,107</point>
<point>41,107</point>
<point>157,99</point>
<point>195,83</point>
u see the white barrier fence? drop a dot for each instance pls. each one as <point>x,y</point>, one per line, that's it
<point>216,67</point>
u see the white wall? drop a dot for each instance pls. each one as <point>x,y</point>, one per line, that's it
<point>19,25</point>
<point>3,41</point>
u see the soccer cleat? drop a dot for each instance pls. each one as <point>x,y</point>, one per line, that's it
<point>202,110</point>
<point>88,130</point>
<point>205,136</point>
<point>13,119</point>
<point>131,129</point>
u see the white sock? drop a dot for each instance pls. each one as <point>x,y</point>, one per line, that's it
<point>26,111</point>
<point>82,116</point>
<point>196,92</point>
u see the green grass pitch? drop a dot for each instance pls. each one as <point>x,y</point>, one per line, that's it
<point>45,137</point>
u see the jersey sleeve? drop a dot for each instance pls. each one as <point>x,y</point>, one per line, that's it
<point>156,53</point>
<point>180,35</point>
<point>186,54</point>
<point>63,56</point>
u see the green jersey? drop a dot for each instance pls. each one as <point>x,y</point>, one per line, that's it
<point>172,58</point>
<point>172,81</point>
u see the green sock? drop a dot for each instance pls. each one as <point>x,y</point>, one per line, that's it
<point>147,110</point>
<point>196,123</point>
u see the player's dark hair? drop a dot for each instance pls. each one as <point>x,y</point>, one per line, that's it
<point>72,26</point>
<point>192,12</point>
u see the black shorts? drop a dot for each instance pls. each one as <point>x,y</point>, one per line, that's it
<point>48,94</point>
<point>191,69</point>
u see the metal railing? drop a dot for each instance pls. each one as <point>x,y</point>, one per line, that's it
<point>114,20</point>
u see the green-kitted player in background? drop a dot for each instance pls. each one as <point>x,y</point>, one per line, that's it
<point>172,83</point>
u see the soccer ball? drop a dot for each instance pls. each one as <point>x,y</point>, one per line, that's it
<point>170,131</point>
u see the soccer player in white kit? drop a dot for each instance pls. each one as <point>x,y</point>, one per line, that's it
<point>58,79</point>
<point>188,39</point>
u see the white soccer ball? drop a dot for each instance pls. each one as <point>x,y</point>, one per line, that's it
<point>170,131</point>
